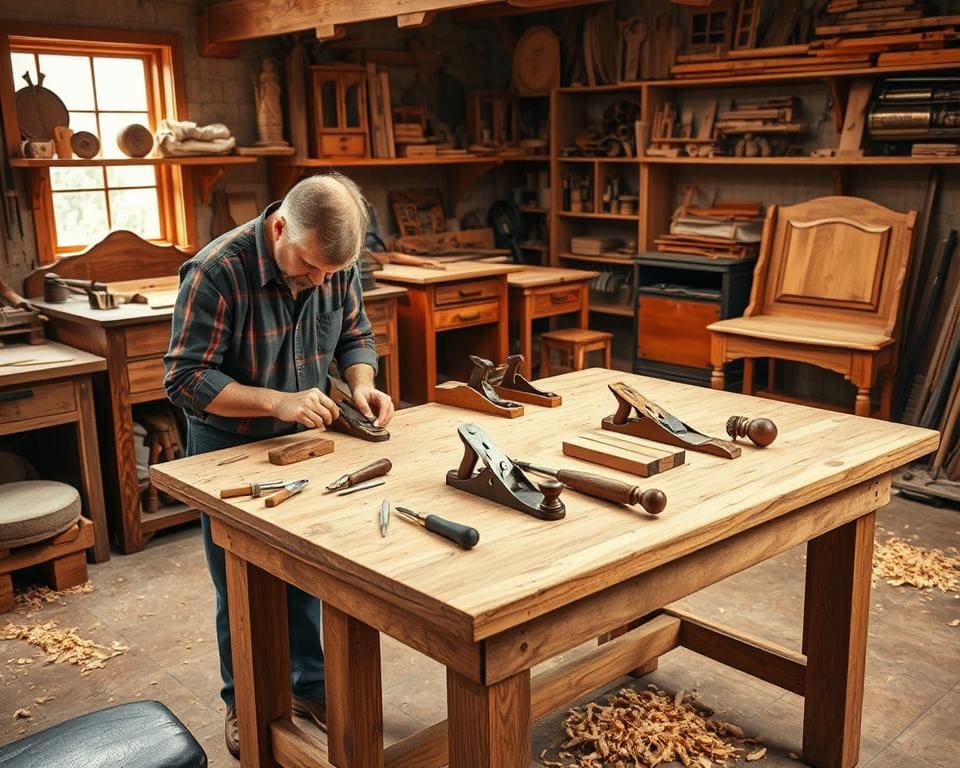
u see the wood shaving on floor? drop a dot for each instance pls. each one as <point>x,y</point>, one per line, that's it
<point>30,601</point>
<point>63,646</point>
<point>899,562</point>
<point>643,729</point>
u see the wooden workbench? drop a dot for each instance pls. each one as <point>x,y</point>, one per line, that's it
<point>55,387</point>
<point>469,297</point>
<point>537,292</point>
<point>534,589</point>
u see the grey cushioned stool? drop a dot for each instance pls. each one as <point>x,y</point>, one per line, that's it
<point>142,734</point>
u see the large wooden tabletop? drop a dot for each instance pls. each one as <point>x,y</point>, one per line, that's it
<point>458,270</point>
<point>532,589</point>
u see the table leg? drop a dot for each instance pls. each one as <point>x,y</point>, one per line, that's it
<point>584,304</point>
<point>91,477</point>
<point>489,726</point>
<point>351,651</point>
<point>261,656</point>
<point>835,634</point>
<point>525,318</point>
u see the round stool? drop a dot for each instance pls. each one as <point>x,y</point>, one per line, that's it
<point>577,342</point>
<point>38,526</point>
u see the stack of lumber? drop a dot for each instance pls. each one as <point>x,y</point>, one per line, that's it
<point>775,115</point>
<point>466,243</point>
<point>672,134</point>
<point>730,230</point>
<point>380,113</point>
<point>594,246</point>
<point>934,150</point>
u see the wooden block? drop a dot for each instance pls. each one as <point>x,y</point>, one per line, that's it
<point>65,572</point>
<point>6,592</point>
<point>623,452</point>
<point>855,118</point>
<point>305,449</point>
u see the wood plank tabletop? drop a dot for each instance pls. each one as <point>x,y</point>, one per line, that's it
<point>383,291</point>
<point>524,567</point>
<point>21,363</point>
<point>531,277</point>
<point>460,270</point>
<point>77,309</point>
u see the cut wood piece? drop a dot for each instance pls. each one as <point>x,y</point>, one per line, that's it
<point>623,452</point>
<point>461,395</point>
<point>386,105</point>
<point>855,118</point>
<point>305,449</point>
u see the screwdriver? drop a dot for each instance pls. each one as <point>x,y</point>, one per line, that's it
<point>652,499</point>
<point>463,535</point>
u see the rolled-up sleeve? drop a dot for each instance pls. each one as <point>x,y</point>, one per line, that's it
<point>198,342</point>
<point>357,342</point>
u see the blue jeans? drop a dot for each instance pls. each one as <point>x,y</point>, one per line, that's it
<point>303,610</point>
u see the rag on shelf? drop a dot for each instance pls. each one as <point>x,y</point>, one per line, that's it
<point>176,138</point>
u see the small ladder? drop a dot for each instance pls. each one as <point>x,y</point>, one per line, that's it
<point>748,18</point>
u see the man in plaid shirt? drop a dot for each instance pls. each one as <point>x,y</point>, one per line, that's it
<point>262,311</point>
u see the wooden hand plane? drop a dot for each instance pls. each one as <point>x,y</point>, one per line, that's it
<point>654,423</point>
<point>350,420</point>
<point>508,382</point>
<point>501,480</point>
<point>477,394</point>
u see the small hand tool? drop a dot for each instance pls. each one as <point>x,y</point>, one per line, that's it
<point>290,489</point>
<point>362,486</point>
<point>384,516</point>
<point>254,489</point>
<point>232,459</point>
<point>652,500</point>
<point>376,469</point>
<point>460,534</point>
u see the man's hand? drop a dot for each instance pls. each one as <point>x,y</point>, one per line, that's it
<point>310,407</point>
<point>374,404</point>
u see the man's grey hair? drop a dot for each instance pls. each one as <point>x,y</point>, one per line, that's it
<point>328,212</point>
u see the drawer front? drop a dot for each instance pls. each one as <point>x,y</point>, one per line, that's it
<point>556,301</point>
<point>475,290</point>
<point>385,333</point>
<point>671,331</point>
<point>377,312</point>
<point>34,401</point>
<point>145,340</point>
<point>342,144</point>
<point>145,375</point>
<point>467,314</point>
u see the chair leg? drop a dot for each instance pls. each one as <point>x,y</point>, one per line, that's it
<point>886,397</point>
<point>544,360</point>
<point>862,406</point>
<point>578,358</point>
<point>748,375</point>
<point>717,378</point>
<point>608,355</point>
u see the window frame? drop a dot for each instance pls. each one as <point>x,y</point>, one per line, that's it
<point>166,97</point>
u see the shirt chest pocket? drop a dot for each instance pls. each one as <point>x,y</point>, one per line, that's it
<point>329,325</point>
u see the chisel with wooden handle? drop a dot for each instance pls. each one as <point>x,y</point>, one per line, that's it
<point>290,489</point>
<point>652,499</point>
<point>376,469</point>
<point>253,489</point>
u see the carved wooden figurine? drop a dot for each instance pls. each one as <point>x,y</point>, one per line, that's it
<point>761,431</point>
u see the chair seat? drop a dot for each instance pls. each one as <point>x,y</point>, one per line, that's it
<point>793,330</point>
<point>142,734</point>
<point>576,335</point>
<point>34,510</point>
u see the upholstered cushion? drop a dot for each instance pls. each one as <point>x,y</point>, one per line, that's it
<point>142,734</point>
<point>34,510</point>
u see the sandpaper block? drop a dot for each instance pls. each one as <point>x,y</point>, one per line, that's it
<point>305,449</point>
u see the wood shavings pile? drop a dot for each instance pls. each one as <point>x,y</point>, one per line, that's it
<point>63,646</point>
<point>899,562</point>
<point>642,729</point>
<point>32,600</point>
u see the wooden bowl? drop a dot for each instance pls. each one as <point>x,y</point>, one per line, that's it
<point>84,144</point>
<point>135,140</point>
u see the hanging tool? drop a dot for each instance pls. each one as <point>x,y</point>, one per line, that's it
<point>652,500</point>
<point>384,517</point>
<point>362,486</point>
<point>460,534</point>
<point>290,489</point>
<point>256,490</point>
<point>500,480</point>
<point>376,469</point>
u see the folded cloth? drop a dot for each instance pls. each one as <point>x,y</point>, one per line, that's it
<point>179,138</point>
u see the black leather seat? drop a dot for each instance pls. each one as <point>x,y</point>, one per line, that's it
<point>142,734</point>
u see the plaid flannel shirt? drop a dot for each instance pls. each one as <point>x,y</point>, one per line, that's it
<point>236,320</point>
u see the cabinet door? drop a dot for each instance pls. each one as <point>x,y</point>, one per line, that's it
<point>672,331</point>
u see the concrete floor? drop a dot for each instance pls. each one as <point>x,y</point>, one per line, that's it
<point>160,604</point>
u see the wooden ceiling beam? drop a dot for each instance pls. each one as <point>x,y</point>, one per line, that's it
<point>236,20</point>
<point>498,10</point>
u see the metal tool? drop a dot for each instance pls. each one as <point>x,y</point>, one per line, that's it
<point>463,535</point>
<point>232,459</point>
<point>652,500</point>
<point>290,489</point>
<point>376,469</point>
<point>501,480</point>
<point>254,489</point>
<point>362,487</point>
<point>384,516</point>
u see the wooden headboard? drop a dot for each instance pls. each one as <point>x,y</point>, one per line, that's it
<point>121,255</point>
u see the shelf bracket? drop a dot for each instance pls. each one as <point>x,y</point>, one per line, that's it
<point>462,177</point>
<point>207,177</point>
<point>415,20</point>
<point>281,177</point>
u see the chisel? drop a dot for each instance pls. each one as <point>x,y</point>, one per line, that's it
<point>463,535</point>
<point>652,499</point>
<point>376,469</point>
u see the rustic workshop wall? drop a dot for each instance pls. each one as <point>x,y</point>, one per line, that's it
<point>218,90</point>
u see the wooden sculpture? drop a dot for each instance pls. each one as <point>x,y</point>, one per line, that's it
<point>654,423</point>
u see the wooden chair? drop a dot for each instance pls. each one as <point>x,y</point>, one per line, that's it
<point>826,291</point>
<point>577,342</point>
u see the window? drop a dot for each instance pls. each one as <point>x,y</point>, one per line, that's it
<point>106,79</point>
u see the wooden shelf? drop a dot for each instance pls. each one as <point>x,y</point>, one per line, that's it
<point>57,162</point>
<point>534,247</point>
<point>626,262</point>
<point>803,160</point>
<point>532,209</point>
<point>608,216</point>
<point>383,162</point>
<point>612,309</point>
<point>167,516</point>
<point>626,160</point>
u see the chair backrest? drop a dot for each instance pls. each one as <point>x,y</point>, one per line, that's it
<point>842,259</point>
<point>121,255</point>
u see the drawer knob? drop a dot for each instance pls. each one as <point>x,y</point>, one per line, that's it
<point>471,316</point>
<point>468,294</point>
<point>560,298</point>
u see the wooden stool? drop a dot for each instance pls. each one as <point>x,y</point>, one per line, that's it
<point>40,524</point>
<point>576,341</point>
